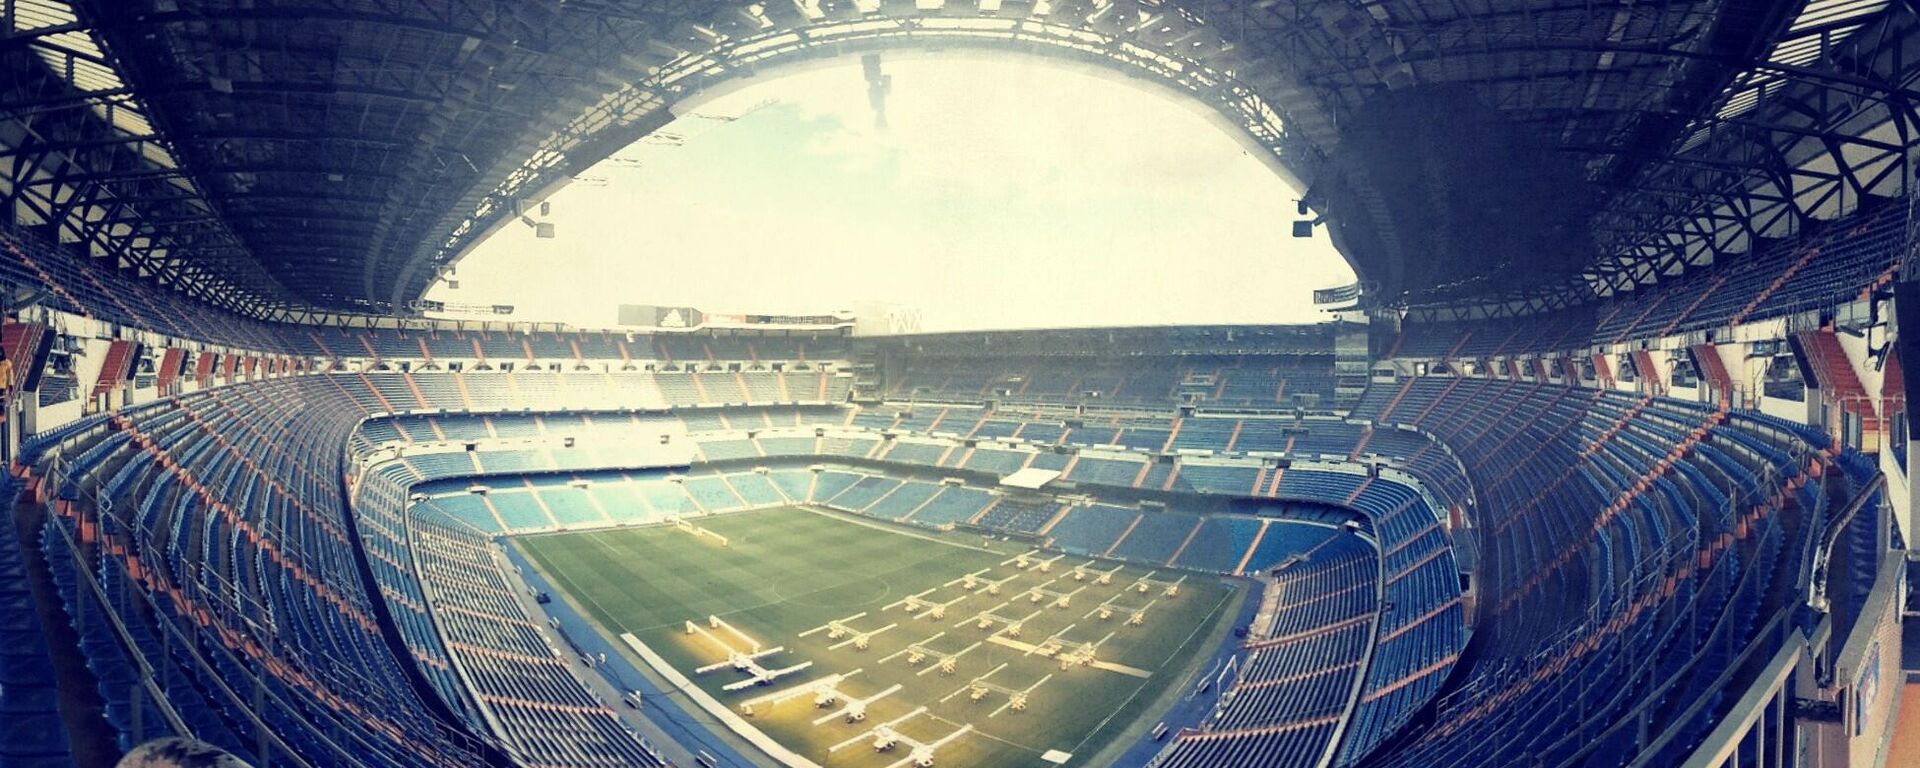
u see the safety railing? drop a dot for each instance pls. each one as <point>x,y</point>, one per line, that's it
<point>1816,582</point>
<point>255,701</point>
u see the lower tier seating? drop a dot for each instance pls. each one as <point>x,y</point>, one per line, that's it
<point>375,613</point>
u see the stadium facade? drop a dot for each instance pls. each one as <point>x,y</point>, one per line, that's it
<point>1605,462</point>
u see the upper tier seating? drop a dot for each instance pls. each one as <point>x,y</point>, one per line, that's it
<point>1276,382</point>
<point>1830,264</point>
<point>81,286</point>
<point>75,284</point>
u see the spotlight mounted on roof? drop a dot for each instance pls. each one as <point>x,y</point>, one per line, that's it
<point>541,229</point>
<point>1303,227</point>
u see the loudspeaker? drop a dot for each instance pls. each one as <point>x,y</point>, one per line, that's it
<point>37,361</point>
<point>133,367</point>
<point>1802,361</point>
<point>1906,324</point>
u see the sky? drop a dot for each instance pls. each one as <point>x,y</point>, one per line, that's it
<point>1001,193</point>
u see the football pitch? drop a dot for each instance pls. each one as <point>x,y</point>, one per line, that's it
<point>980,658</point>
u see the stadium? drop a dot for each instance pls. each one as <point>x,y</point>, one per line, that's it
<point>1599,458</point>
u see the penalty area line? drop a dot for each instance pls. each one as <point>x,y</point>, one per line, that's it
<point>984,734</point>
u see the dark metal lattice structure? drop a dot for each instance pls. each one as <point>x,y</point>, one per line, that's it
<point>290,159</point>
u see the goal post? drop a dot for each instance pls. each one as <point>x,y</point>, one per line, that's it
<point>698,532</point>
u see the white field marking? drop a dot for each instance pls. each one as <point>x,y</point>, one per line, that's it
<point>908,600</point>
<point>851,519</point>
<point>778,599</point>
<point>601,540</point>
<point>989,736</point>
<point>574,589</point>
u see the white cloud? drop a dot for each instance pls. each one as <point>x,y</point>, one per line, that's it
<point>1003,193</point>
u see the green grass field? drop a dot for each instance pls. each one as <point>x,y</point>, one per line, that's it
<point>787,571</point>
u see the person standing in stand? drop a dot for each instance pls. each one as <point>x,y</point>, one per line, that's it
<point>6,407</point>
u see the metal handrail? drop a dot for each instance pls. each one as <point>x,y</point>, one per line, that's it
<point>1768,476</point>
<point>90,488</point>
<point>174,722</point>
<point>1816,594</point>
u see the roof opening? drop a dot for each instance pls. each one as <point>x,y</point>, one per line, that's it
<point>983,193</point>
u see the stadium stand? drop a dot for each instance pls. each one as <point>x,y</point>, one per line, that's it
<point>1827,266</point>
<point>1601,462</point>
<point>1288,700</point>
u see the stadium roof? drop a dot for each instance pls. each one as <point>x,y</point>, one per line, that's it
<point>281,157</point>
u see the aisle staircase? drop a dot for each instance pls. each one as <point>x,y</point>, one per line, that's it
<point>114,370</point>
<point>1839,385</point>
